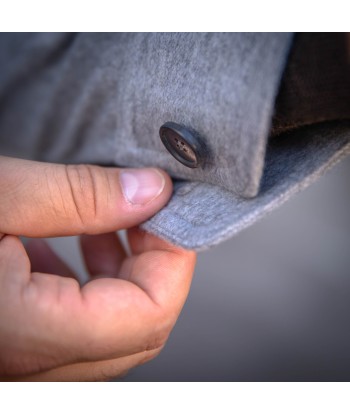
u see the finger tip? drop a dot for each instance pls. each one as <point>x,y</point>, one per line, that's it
<point>167,183</point>
<point>143,241</point>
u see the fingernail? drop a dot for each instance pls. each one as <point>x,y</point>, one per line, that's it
<point>140,186</point>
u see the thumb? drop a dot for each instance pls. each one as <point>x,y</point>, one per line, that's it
<point>43,199</point>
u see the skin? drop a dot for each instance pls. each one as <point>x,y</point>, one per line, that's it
<point>53,329</point>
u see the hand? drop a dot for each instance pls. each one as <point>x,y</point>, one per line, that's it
<point>51,328</point>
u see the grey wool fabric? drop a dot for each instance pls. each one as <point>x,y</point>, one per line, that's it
<point>101,98</point>
<point>202,215</point>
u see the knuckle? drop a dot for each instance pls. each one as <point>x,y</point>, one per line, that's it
<point>83,190</point>
<point>158,339</point>
<point>150,355</point>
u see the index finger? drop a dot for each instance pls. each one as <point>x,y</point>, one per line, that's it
<point>140,309</point>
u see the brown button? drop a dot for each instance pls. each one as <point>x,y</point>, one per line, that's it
<point>182,144</point>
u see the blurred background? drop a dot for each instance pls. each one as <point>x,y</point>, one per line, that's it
<point>271,304</point>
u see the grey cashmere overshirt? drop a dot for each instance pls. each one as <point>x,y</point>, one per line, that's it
<point>101,98</point>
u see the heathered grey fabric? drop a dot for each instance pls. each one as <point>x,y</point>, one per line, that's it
<point>101,98</point>
<point>202,215</point>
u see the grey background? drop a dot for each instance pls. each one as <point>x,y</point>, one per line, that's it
<point>271,304</point>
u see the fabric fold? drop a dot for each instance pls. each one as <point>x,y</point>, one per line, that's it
<point>200,215</point>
